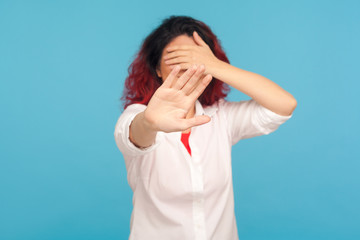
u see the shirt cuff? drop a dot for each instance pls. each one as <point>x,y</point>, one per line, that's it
<point>269,120</point>
<point>122,137</point>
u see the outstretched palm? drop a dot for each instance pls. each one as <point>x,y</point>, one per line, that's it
<point>168,107</point>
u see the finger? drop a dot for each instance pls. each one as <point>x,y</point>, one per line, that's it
<point>201,87</point>
<point>179,47</point>
<point>193,80</point>
<point>196,84</point>
<point>182,65</point>
<point>198,39</point>
<point>168,81</point>
<point>177,53</point>
<point>184,78</point>
<point>193,122</point>
<point>177,60</point>
<point>181,72</point>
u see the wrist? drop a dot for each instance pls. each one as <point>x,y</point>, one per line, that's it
<point>216,68</point>
<point>148,123</point>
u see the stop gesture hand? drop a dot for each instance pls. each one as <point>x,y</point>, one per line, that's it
<point>168,107</point>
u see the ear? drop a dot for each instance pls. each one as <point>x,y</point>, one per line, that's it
<point>158,72</point>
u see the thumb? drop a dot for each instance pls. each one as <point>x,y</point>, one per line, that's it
<point>198,39</point>
<point>195,121</point>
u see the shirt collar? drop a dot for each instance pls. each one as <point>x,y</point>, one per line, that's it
<point>208,110</point>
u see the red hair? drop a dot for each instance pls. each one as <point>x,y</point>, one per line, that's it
<point>142,81</point>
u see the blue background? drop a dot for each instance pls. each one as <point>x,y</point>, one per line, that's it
<point>62,70</point>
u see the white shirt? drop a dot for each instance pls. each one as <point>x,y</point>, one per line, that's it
<point>178,196</point>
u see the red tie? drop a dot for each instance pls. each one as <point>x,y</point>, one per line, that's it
<point>185,141</point>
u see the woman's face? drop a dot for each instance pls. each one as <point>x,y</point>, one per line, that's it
<point>165,69</point>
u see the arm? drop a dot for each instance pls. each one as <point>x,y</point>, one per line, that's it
<point>262,90</point>
<point>259,88</point>
<point>141,133</point>
<point>168,107</point>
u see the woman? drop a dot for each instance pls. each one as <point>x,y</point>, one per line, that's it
<point>177,130</point>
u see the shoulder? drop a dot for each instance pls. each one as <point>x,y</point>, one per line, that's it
<point>220,106</point>
<point>135,107</point>
<point>223,105</point>
<point>129,113</point>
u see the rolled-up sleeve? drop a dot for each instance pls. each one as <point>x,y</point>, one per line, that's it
<point>246,119</point>
<point>122,128</point>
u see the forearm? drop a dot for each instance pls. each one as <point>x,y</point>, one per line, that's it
<point>141,134</point>
<point>259,88</point>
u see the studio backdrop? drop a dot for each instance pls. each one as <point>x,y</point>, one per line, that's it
<point>62,70</point>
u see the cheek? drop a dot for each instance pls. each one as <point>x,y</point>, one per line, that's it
<point>165,70</point>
